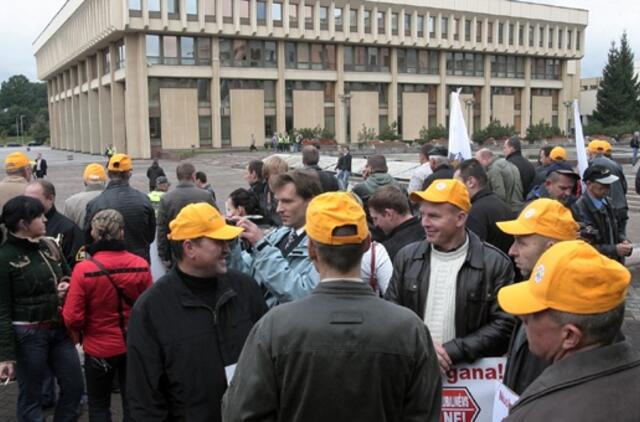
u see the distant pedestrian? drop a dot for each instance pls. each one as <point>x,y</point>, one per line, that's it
<point>41,167</point>
<point>343,167</point>
<point>153,172</point>
<point>75,207</point>
<point>513,153</point>
<point>635,145</point>
<point>162,186</point>
<point>252,142</point>
<point>504,178</point>
<point>103,290</point>
<point>423,171</point>
<point>201,182</point>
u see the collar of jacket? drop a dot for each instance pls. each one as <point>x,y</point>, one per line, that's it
<point>581,367</point>
<point>105,245</point>
<point>410,222</point>
<point>14,179</point>
<point>442,167</point>
<point>187,299</point>
<point>51,213</point>
<point>94,187</point>
<point>475,253</point>
<point>513,154</point>
<point>185,184</point>
<point>278,234</point>
<point>337,287</point>
<point>23,242</point>
<point>482,193</point>
<point>115,184</point>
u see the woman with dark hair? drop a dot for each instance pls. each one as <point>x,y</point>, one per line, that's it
<point>241,203</point>
<point>103,290</point>
<point>33,339</point>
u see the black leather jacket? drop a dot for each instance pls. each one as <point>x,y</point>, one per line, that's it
<point>482,328</point>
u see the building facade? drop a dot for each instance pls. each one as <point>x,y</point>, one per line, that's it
<point>588,98</point>
<point>145,75</point>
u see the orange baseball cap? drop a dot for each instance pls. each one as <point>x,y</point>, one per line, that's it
<point>445,190</point>
<point>598,146</point>
<point>16,160</point>
<point>558,153</point>
<point>201,220</point>
<point>120,162</point>
<point>569,277</point>
<point>332,210</point>
<point>94,172</point>
<point>546,217</point>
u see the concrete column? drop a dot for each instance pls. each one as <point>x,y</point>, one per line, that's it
<point>68,121</point>
<point>216,128</point>
<point>84,122</point>
<point>525,104</point>
<point>117,102</point>
<point>563,95</point>
<point>136,96</point>
<point>281,122</point>
<point>104,109</point>
<point>374,23</point>
<point>94,115</point>
<point>340,109</point>
<point>441,105</point>
<point>485,95</point>
<point>52,135</point>
<point>392,96</point>
<point>75,111</point>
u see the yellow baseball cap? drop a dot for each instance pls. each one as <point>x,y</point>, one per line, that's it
<point>201,220</point>
<point>94,172</point>
<point>332,210</point>
<point>598,146</point>
<point>16,160</point>
<point>569,277</point>
<point>546,217</point>
<point>445,190</point>
<point>558,153</point>
<point>120,162</point>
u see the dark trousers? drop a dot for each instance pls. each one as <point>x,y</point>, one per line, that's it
<point>38,350</point>
<point>99,374</point>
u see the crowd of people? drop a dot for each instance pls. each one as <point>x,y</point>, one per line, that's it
<point>310,297</point>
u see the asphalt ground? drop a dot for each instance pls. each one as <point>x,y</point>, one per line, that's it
<point>225,172</point>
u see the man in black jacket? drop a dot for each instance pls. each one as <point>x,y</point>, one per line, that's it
<point>40,169</point>
<point>153,172</point>
<point>451,280</point>
<point>343,167</point>
<point>486,207</point>
<point>390,212</point>
<point>310,160</point>
<point>186,332</point>
<point>135,207</point>
<point>513,153</point>
<point>439,162</point>
<point>542,224</point>
<point>340,354</point>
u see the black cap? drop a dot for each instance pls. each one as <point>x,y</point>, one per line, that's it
<point>439,151</point>
<point>562,168</point>
<point>599,174</point>
<point>161,179</point>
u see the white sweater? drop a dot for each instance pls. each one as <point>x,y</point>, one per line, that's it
<point>440,310</point>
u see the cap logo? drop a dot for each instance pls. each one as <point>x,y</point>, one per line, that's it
<point>441,186</point>
<point>529,213</point>
<point>539,274</point>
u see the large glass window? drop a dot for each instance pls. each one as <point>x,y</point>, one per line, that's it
<point>293,15</point>
<point>353,20</point>
<point>500,33</point>
<point>478,30</point>
<point>490,32</point>
<point>465,64</point>
<point>192,7</point>
<point>531,36</point>
<point>394,24</point>
<point>308,17</point>
<point>366,59</point>
<point>170,49</point>
<point>227,11</point>
<point>209,10</point>
<point>507,66</point>
<point>551,33</point>
<point>261,12</point>
<point>310,56</point>
<point>420,25</point>
<point>337,18</point>
<point>106,61</point>
<point>367,21</point>
<point>135,4</point>
<point>432,26</point>
<point>245,5</point>
<point>153,49</point>
<point>569,39</point>
<point>187,51</point>
<point>243,53</point>
<point>276,13</point>
<point>444,27</point>
<point>418,61</point>
<point>511,33</point>
<point>456,29</point>
<point>467,29</point>
<point>204,51</point>
<point>173,8</point>
<point>520,34</point>
<point>541,37</point>
<point>154,6</point>
<point>407,24</point>
<point>545,69</point>
<point>381,23</point>
<point>324,17</point>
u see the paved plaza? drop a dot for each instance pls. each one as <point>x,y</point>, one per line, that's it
<point>225,172</point>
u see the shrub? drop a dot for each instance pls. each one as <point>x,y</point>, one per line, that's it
<point>366,134</point>
<point>495,130</point>
<point>436,132</point>
<point>596,128</point>
<point>308,133</point>
<point>327,134</point>
<point>542,130</point>
<point>389,133</point>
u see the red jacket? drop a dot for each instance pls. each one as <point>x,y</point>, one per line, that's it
<point>91,306</point>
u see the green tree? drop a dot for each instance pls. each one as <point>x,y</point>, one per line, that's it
<point>618,95</point>
<point>20,97</point>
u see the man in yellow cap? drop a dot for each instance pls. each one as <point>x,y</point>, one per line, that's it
<point>75,207</point>
<point>542,224</point>
<point>18,169</point>
<point>135,207</point>
<point>573,308</point>
<point>340,354</point>
<point>599,153</point>
<point>451,279</point>
<point>186,332</point>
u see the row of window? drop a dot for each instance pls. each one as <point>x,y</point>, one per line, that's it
<point>174,50</point>
<point>454,26</point>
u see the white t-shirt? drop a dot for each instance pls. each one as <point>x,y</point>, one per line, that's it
<point>383,266</point>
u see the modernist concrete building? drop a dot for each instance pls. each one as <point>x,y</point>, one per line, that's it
<point>174,74</point>
<point>588,98</point>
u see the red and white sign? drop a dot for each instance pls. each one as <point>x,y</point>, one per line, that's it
<point>469,391</point>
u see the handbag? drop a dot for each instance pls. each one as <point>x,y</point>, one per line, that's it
<point>121,297</point>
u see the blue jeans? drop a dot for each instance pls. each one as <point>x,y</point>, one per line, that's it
<point>634,160</point>
<point>343,179</point>
<point>40,349</point>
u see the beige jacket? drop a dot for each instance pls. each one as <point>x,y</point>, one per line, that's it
<point>10,187</point>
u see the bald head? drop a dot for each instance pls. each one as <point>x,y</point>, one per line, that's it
<point>484,156</point>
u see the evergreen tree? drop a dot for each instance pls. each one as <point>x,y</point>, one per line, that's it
<point>618,98</point>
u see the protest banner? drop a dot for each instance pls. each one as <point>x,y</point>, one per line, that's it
<point>469,391</point>
<point>504,399</point>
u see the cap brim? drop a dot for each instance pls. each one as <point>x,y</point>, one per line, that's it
<point>514,228</point>
<point>517,299</point>
<point>567,173</point>
<point>225,232</point>
<point>607,180</point>
<point>417,197</point>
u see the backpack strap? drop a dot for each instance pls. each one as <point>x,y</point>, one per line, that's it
<point>373,279</point>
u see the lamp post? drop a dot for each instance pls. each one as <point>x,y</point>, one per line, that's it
<point>568,105</point>
<point>22,129</point>
<point>468,103</point>
<point>17,127</point>
<point>346,101</point>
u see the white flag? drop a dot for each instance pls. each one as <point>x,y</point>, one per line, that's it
<point>459,142</point>
<point>581,152</point>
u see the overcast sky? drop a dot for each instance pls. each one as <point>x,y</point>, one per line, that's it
<point>22,21</point>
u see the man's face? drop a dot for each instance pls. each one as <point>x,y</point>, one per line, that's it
<point>163,187</point>
<point>544,334</point>
<point>35,191</point>
<point>291,207</point>
<point>382,220</point>
<point>250,176</point>
<point>506,148</point>
<point>441,222</point>
<point>543,159</point>
<point>199,183</point>
<point>561,188</point>
<point>598,190</point>
<point>210,256</point>
<point>526,250</point>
